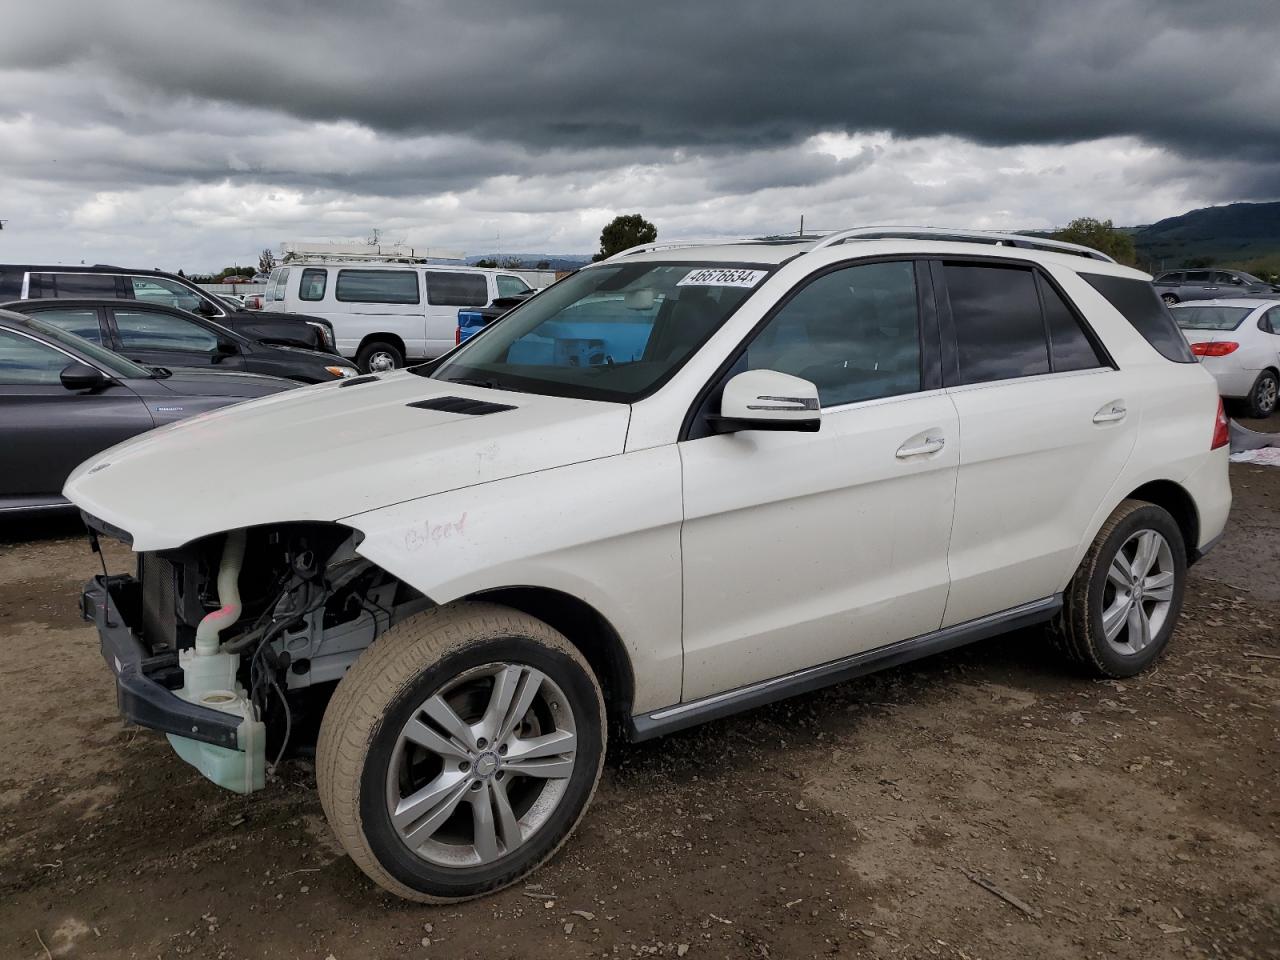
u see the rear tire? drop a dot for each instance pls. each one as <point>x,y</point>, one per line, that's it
<point>379,356</point>
<point>1169,299</point>
<point>1122,605</point>
<point>460,751</point>
<point>1262,398</point>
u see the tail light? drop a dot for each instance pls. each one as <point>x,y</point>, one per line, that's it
<point>457,336</point>
<point>1218,348</point>
<point>1221,428</point>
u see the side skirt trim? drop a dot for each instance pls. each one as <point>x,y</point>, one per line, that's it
<point>678,717</point>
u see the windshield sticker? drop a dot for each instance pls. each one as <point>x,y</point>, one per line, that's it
<point>710,277</point>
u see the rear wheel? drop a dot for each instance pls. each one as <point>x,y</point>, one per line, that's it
<point>379,356</point>
<point>1262,398</point>
<point>1121,607</point>
<point>1169,299</point>
<point>460,751</point>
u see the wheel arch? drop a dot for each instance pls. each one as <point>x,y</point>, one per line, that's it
<point>1174,498</point>
<point>394,339</point>
<point>586,628</point>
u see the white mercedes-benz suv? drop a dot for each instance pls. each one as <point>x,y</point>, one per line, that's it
<point>685,481</point>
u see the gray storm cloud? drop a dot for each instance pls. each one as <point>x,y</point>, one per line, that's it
<point>559,107</point>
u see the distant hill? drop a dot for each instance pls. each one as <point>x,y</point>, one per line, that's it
<point>557,261</point>
<point>1236,233</point>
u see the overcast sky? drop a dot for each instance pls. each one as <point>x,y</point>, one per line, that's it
<point>174,133</point>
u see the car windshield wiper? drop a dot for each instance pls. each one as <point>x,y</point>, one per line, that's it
<point>160,373</point>
<point>487,384</point>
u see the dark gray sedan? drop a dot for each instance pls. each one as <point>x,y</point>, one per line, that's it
<point>63,399</point>
<point>1178,286</point>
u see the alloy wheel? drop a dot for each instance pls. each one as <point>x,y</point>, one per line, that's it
<point>380,362</point>
<point>1268,393</point>
<point>481,765</point>
<point>1139,592</point>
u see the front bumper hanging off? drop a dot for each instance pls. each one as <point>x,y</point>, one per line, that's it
<point>143,700</point>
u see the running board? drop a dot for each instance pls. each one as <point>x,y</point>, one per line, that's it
<point>680,716</point>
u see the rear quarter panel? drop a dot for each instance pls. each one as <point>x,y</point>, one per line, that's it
<point>1177,403</point>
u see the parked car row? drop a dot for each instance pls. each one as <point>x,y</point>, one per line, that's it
<point>35,282</point>
<point>64,398</point>
<point>154,334</point>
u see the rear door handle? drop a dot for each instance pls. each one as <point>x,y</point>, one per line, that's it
<point>1111,412</point>
<point>930,445</point>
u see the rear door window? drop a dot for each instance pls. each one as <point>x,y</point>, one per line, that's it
<point>377,286</point>
<point>1200,277</point>
<point>446,289</point>
<point>1138,302</point>
<point>1070,346</point>
<point>311,286</point>
<point>999,331</point>
<point>82,321</point>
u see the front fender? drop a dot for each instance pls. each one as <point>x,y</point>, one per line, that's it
<point>606,531</point>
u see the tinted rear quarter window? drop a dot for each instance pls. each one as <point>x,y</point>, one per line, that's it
<point>377,286</point>
<point>998,327</point>
<point>457,289</point>
<point>1138,303</point>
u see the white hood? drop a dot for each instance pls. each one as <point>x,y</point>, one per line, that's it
<point>328,452</point>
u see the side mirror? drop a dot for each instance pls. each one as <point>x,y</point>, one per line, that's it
<point>226,348</point>
<point>768,400</point>
<point>81,376</point>
<point>206,309</point>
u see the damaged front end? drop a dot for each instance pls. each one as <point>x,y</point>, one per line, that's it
<point>222,643</point>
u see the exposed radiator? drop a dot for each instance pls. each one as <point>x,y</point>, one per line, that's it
<point>159,601</point>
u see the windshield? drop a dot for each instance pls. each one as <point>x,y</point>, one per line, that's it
<point>113,363</point>
<point>1210,318</point>
<point>614,332</point>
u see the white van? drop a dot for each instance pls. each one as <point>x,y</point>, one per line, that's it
<point>386,313</point>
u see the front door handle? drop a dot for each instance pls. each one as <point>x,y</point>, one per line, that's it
<point>930,445</point>
<point>1111,412</point>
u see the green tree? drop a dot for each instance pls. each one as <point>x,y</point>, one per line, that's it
<point>542,265</point>
<point>623,232</point>
<point>487,262</point>
<point>266,261</point>
<point>1100,235</point>
<point>512,263</point>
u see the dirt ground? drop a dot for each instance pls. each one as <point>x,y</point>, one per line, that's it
<point>984,804</point>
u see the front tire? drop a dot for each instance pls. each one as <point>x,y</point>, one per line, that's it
<point>460,751</point>
<point>1262,398</point>
<point>1122,605</point>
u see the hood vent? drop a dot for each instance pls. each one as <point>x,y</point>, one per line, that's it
<point>472,408</point>
<point>352,383</point>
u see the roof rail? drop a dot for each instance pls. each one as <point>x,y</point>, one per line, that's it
<point>678,245</point>
<point>959,236</point>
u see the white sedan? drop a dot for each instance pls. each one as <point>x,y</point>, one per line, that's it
<point>1238,341</point>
